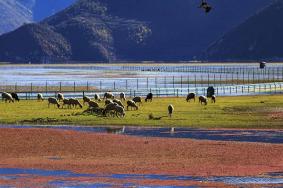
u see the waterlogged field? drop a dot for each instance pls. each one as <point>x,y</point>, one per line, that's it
<point>228,112</point>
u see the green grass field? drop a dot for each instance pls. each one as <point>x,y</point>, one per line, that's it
<point>228,112</point>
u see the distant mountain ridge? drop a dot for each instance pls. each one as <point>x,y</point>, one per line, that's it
<point>14,13</point>
<point>110,30</point>
<point>258,38</point>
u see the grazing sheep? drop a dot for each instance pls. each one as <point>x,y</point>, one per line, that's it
<point>118,102</point>
<point>213,99</point>
<point>93,104</point>
<point>97,97</point>
<point>108,101</point>
<point>60,97</point>
<point>132,104</point>
<point>170,110</point>
<point>54,101</point>
<point>122,96</point>
<point>110,107</point>
<point>191,96</point>
<point>40,97</point>
<point>7,97</point>
<point>119,110</point>
<point>86,99</point>
<point>66,102</point>
<point>149,97</point>
<point>15,96</point>
<point>137,100</point>
<point>203,99</point>
<point>75,103</point>
<point>108,95</point>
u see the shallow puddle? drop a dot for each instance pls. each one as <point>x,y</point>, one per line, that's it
<point>262,136</point>
<point>61,178</point>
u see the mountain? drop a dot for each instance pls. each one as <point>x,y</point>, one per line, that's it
<point>109,30</point>
<point>258,38</point>
<point>14,13</point>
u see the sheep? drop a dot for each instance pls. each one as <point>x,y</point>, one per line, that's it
<point>213,99</point>
<point>109,107</point>
<point>119,110</point>
<point>15,96</point>
<point>132,104</point>
<point>60,97</point>
<point>75,103</point>
<point>149,97</point>
<point>137,100</point>
<point>108,101</point>
<point>203,99</point>
<point>7,97</point>
<point>97,97</point>
<point>86,99</point>
<point>122,96</point>
<point>191,96</point>
<point>108,95</point>
<point>170,110</point>
<point>54,101</point>
<point>93,104</point>
<point>40,97</point>
<point>66,102</point>
<point>118,102</point>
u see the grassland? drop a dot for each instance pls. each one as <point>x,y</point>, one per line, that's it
<point>228,112</point>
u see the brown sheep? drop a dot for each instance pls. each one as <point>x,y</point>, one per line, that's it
<point>170,110</point>
<point>137,100</point>
<point>213,99</point>
<point>75,103</point>
<point>54,101</point>
<point>66,102</point>
<point>86,99</point>
<point>149,97</point>
<point>191,96</point>
<point>93,104</point>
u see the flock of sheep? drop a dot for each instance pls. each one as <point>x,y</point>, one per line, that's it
<point>113,106</point>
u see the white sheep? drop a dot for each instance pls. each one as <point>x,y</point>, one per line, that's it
<point>60,96</point>
<point>118,102</point>
<point>40,97</point>
<point>119,110</point>
<point>132,104</point>
<point>7,97</point>
<point>203,100</point>
<point>54,101</point>
<point>97,97</point>
<point>122,96</point>
<point>108,95</point>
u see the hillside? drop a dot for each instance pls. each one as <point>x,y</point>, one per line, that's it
<point>14,13</point>
<point>258,38</point>
<point>108,30</point>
